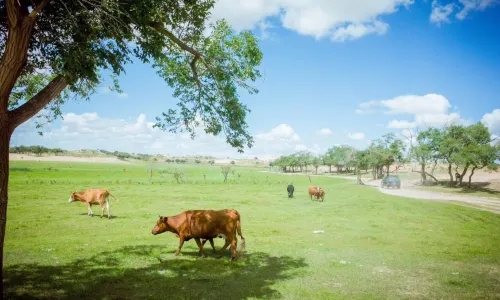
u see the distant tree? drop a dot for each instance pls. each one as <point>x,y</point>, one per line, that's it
<point>197,161</point>
<point>225,170</point>
<point>232,162</point>
<point>475,151</point>
<point>424,149</point>
<point>178,176</point>
<point>450,145</point>
<point>316,163</point>
<point>361,161</point>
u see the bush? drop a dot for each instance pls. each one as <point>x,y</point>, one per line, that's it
<point>178,176</point>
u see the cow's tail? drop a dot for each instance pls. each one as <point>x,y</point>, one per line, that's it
<point>113,197</point>
<point>238,229</point>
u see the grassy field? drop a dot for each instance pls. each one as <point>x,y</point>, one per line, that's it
<point>374,246</point>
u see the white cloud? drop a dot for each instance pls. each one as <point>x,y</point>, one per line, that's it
<point>356,31</point>
<point>438,120</point>
<point>472,5</point>
<point>283,132</point>
<point>401,124</point>
<point>340,20</point>
<point>492,121</point>
<point>122,95</point>
<point>324,131</point>
<point>89,130</point>
<point>441,13</point>
<point>356,135</point>
<point>428,110</point>
<point>409,104</point>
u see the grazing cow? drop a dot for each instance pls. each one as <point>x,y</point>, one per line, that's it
<point>314,191</point>
<point>93,196</point>
<point>204,224</point>
<point>290,190</point>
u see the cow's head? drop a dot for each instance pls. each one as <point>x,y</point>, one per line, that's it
<point>72,197</point>
<point>161,226</point>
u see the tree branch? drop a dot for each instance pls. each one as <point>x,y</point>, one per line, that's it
<point>37,103</point>
<point>159,27</point>
<point>431,176</point>
<point>197,55</point>
<point>12,12</point>
<point>38,8</point>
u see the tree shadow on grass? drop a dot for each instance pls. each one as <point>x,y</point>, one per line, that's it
<point>139,272</point>
<point>482,187</point>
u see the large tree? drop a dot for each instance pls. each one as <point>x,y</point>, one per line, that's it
<point>424,149</point>
<point>475,151</point>
<point>55,50</point>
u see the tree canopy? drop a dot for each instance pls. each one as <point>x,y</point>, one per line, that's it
<point>73,42</point>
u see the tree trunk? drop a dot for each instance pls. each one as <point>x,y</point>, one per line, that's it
<point>330,168</point>
<point>470,176</point>
<point>449,172</point>
<point>422,169</point>
<point>463,174</point>
<point>16,52</point>
<point>5,135</point>
<point>434,167</point>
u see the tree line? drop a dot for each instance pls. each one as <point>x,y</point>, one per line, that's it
<point>464,149</point>
<point>37,150</point>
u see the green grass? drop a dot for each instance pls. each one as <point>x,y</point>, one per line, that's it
<point>374,246</point>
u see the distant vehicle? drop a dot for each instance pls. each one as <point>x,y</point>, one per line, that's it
<point>391,181</point>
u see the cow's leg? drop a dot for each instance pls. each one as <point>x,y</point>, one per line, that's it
<point>90,212</point>
<point>102,210</point>
<point>211,240</point>
<point>221,251</point>
<point>234,244</point>
<point>198,242</point>
<point>181,242</point>
<point>212,244</point>
<point>107,208</point>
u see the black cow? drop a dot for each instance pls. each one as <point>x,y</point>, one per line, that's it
<point>290,190</point>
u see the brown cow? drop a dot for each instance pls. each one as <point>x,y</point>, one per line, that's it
<point>314,190</point>
<point>93,196</point>
<point>204,224</point>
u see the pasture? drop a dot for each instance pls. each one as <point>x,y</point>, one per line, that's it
<point>374,246</point>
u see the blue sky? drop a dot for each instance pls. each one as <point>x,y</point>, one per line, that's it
<point>344,71</point>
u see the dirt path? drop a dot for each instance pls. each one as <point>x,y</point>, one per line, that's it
<point>406,191</point>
